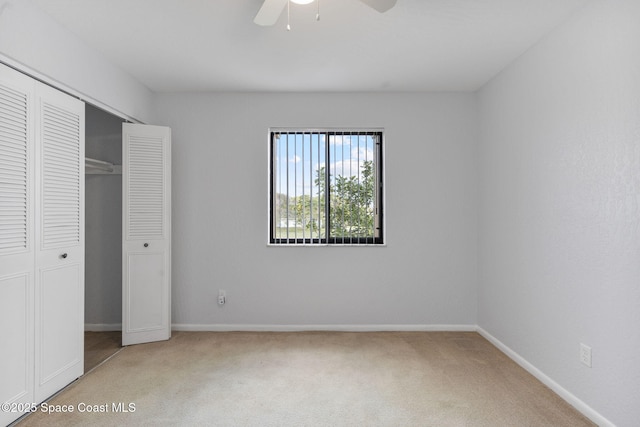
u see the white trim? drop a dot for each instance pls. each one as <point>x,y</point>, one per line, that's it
<point>585,409</point>
<point>102,327</point>
<point>327,327</point>
<point>31,72</point>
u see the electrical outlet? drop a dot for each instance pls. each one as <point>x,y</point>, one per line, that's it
<point>585,354</point>
<point>221,297</point>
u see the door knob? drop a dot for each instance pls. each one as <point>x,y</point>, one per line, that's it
<point>63,256</point>
<point>146,245</point>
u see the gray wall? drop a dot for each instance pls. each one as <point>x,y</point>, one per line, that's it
<point>560,207</point>
<point>34,43</point>
<point>103,223</point>
<point>426,275</point>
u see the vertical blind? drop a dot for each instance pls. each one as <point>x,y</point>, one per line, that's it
<point>326,187</point>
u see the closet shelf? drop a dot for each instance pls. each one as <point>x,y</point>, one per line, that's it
<point>99,167</point>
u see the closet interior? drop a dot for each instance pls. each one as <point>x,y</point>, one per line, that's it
<point>103,235</point>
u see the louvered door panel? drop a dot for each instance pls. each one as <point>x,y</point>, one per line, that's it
<point>146,243</point>
<point>14,171</point>
<point>61,175</point>
<point>59,282</point>
<point>145,188</point>
<point>17,261</point>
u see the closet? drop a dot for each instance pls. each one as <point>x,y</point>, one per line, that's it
<point>42,238</point>
<point>103,220</point>
<point>128,228</point>
<point>41,241</point>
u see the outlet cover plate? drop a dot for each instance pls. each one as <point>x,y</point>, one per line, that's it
<point>585,354</point>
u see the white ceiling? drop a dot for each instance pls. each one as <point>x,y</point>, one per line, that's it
<point>213,45</point>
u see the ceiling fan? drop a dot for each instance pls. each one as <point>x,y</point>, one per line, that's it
<point>271,9</point>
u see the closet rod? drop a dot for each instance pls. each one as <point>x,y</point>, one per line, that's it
<point>100,166</point>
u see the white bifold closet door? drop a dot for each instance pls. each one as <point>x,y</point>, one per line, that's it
<point>146,243</point>
<point>59,281</point>
<point>16,240</point>
<point>41,241</point>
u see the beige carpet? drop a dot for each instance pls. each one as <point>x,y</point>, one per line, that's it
<point>313,379</point>
<point>99,346</point>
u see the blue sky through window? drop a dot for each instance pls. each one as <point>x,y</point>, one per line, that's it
<point>300,156</point>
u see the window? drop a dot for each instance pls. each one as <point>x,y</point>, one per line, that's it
<point>326,187</point>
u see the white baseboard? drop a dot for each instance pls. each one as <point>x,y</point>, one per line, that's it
<point>585,409</point>
<point>102,327</point>
<point>335,328</point>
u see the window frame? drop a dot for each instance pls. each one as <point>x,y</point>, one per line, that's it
<point>379,217</point>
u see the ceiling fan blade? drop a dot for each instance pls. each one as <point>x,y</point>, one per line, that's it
<point>270,12</point>
<point>380,5</point>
